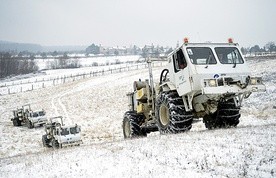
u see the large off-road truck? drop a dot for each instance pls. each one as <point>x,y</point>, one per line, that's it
<point>201,80</point>
<point>58,135</point>
<point>26,116</point>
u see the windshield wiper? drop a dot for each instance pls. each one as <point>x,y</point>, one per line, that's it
<point>208,60</point>
<point>235,64</point>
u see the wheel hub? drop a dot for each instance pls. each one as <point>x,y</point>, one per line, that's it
<point>127,129</point>
<point>164,115</point>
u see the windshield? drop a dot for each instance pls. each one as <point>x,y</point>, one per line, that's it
<point>74,130</point>
<point>35,114</point>
<point>64,131</point>
<point>41,113</point>
<point>201,55</point>
<point>229,55</point>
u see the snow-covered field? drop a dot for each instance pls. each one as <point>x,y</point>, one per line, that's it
<point>98,104</point>
<point>46,78</point>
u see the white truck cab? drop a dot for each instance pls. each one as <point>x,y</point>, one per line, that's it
<point>68,135</point>
<point>37,117</point>
<point>58,135</point>
<point>210,71</point>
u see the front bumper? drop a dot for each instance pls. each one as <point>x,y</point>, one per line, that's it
<point>233,89</point>
<point>39,122</point>
<point>71,143</point>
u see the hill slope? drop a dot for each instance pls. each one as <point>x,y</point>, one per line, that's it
<point>98,104</point>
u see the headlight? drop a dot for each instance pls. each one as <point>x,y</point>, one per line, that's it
<point>210,82</point>
<point>255,80</point>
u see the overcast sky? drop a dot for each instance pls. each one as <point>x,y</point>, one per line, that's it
<point>140,22</point>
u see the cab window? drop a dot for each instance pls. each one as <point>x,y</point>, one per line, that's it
<point>64,131</point>
<point>229,55</point>
<point>201,55</point>
<point>35,114</point>
<point>74,130</point>
<point>179,60</point>
<point>41,113</point>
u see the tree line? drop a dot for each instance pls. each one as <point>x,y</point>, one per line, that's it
<point>10,65</point>
<point>256,49</point>
<point>18,65</point>
<point>147,50</point>
<point>63,62</point>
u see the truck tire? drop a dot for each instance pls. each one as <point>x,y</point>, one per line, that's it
<point>210,121</point>
<point>131,125</point>
<point>171,115</point>
<point>227,115</point>
<point>45,141</point>
<point>55,144</point>
<point>16,121</point>
<point>29,124</point>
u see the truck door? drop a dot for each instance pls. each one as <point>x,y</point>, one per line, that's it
<point>181,75</point>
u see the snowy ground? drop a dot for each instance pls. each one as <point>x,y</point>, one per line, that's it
<point>98,104</point>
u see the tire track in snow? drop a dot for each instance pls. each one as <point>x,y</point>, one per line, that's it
<point>54,106</point>
<point>57,103</point>
<point>57,99</point>
<point>81,86</point>
<point>63,107</point>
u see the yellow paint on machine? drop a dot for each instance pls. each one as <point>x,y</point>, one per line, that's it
<point>141,94</point>
<point>141,107</point>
